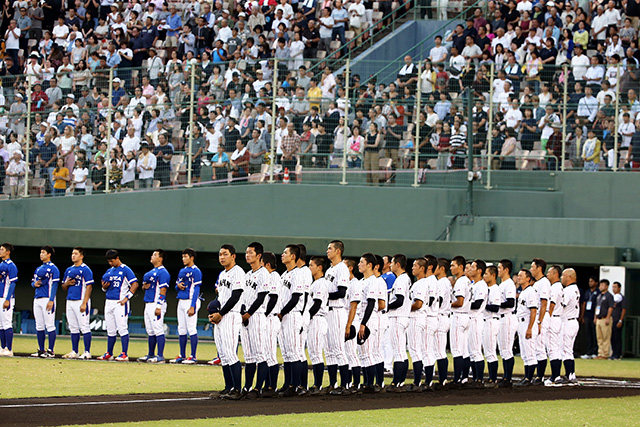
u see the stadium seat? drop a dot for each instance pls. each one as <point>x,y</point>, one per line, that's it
<point>377,16</point>
<point>336,162</point>
<point>523,160</point>
<point>335,45</point>
<point>376,6</point>
<point>349,35</point>
<point>432,163</point>
<point>321,54</point>
<point>37,186</point>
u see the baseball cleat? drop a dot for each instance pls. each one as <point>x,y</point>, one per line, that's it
<point>105,356</point>
<point>537,381</point>
<point>413,388</point>
<point>491,384</point>
<point>71,355</point>
<point>525,382</point>
<point>50,353</point>
<point>232,395</point>
<point>504,383</point>
<point>215,361</point>
<point>218,394</point>
<point>7,353</point>
<point>177,360</point>
<point>156,359</point>
<point>189,361</point>
<point>85,356</point>
<point>252,395</point>
<point>122,358</point>
<point>38,353</point>
<point>267,393</point>
<point>144,358</point>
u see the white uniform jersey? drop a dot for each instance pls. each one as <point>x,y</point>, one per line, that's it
<point>381,291</point>
<point>556,297</point>
<point>419,291</point>
<point>307,279</point>
<point>229,281</point>
<point>256,282</point>
<point>354,293</point>
<point>494,297</point>
<point>527,300</point>
<point>319,291</point>
<point>401,286</point>
<point>432,292</point>
<point>337,276</point>
<point>462,288</point>
<point>445,292</point>
<point>292,283</point>
<point>507,290</point>
<point>369,289</point>
<point>543,289</point>
<point>275,288</point>
<point>479,291</point>
<point>571,302</point>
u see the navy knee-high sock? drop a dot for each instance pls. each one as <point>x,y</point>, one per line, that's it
<point>397,372</point>
<point>443,367</point>
<point>274,371</point>
<point>569,366</point>
<point>345,376</point>
<point>466,366</point>
<point>75,342</point>
<point>228,380</point>
<point>379,369</point>
<point>508,368</point>
<point>41,335</point>
<point>152,345</point>
<point>493,370</point>
<point>474,371</point>
<point>405,370</point>
<point>236,375</point>
<point>428,374</point>
<point>183,346</point>
<point>194,344</point>
<point>125,343</point>
<point>52,339</point>
<point>333,375</point>
<point>355,377</point>
<point>365,375</point>
<point>318,374</point>
<point>457,368</point>
<point>296,368</point>
<point>542,367</point>
<point>556,366</point>
<point>3,340</point>
<point>304,374</point>
<point>287,375</point>
<point>111,343</point>
<point>249,373</point>
<point>261,376</point>
<point>371,375</point>
<point>417,372</point>
<point>160,340</point>
<point>479,370</point>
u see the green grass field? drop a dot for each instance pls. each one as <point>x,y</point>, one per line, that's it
<point>566,413</point>
<point>70,375</point>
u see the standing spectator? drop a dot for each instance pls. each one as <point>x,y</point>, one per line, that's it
<point>16,171</point>
<point>290,145</point>
<point>99,176</point>
<point>48,158</point>
<point>128,170</point>
<point>372,143</point>
<point>591,152</point>
<point>18,114</point>
<point>619,313</point>
<point>60,177</point>
<point>80,174</point>
<point>146,166</point>
<point>221,164</point>
<point>37,17</point>
<point>163,153</point>
<point>604,310</point>
<point>24,24</point>
<point>340,18</point>
<point>12,45</point>
<point>257,149</point>
<point>174,23</point>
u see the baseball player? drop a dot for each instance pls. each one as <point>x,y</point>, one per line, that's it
<point>270,262</point>
<point>417,330</point>
<point>188,287</point>
<point>120,284</point>
<point>399,309</point>
<point>78,282</point>
<point>317,332</point>
<point>528,306</point>
<point>479,293</point>
<point>459,332</point>
<point>432,310</point>
<point>45,281</point>
<point>377,334</point>
<point>385,338</point>
<point>8,281</point>
<point>570,313</point>
<point>338,277</point>
<point>367,312</point>
<point>555,323</point>
<point>444,320</point>
<point>491,325</point>
<point>543,288</point>
<point>291,316</point>
<point>228,321</point>
<point>307,279</point>
<point>508,321</point>
<point>354,296</point>
<point>155,284</point>
<point>254,342</point>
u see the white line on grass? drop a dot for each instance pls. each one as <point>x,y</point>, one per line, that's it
<point>113,402</point>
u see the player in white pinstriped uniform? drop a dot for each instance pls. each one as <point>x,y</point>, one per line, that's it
<point>445,293</point>
<point>273,324</point>
<point>338,277</point>
<point>508,321</point>
<point>526,313</point>
<point>491,325</point>
<point>377,351</point>
<point>307,279</point>
<point>254,340</point>
<point>417,329</point>
<point>556,348</point>
<point>354,295</point>
<point>542,287</point>
<point>459,332</point>
<point>291,316</point>
<point>155,283</point>
<point>228,321</point>
<point>45,281</point>
<point>367,313</point>
<point>431,328</point>
<point>399,309</point>
<point>188,286</point>
<point>78,282</point>
<point>570,313</point>
<point>317,331</point>
<point>479,293</point>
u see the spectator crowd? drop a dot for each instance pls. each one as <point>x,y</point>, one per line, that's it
<point>66,56</point>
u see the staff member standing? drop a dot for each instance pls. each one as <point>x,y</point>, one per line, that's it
<point>619,313</point>
<point>587,317</point>
<point>602,320</point>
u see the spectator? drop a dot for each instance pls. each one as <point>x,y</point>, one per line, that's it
<point>16,171</point>
<point>146,165</point>
<point>221,164</point>
<point>98,175</point>
<point>79,175</point>
<point>163,153</point>
<point>60,177</point>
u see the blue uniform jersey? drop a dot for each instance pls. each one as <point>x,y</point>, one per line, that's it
<point>191,278</point>
<point>119,280</point>
<point>157,278</point>
<point>83,276</point>
<point>8,279</point>
<point>49,277</point>
<point>389,279</point>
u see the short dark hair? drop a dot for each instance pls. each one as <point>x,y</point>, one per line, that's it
<point>527,273</point>
<point>540,263</point>
<point>112,254</point>
<point>507,265</point>
<point>80,250</point>
<point>370,258</point>
<point>443,262</point>
<point>303,252</point>
<point>379,262</point>
<point>190,252</point>
<point>48,249</point>
<point>294,250</point>
<point>270,259</point>
<point>431,261</point>
<point>229,247</point>
<point>493,270</point>
<point>337,244</point>
<point>557,268</point>
<point>320,262</point>
<point>459,259</point>
<point>605,281</point>
<point>481,265</point>
<point>257,247</point>
<point>401,259</point>
<point>422,263</point>
<point>161,253</point>
<point>350,262</point>
<point>7,247</point>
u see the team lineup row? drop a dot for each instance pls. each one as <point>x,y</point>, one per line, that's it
<point>357,325</point>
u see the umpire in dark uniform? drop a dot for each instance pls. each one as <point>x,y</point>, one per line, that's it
<point>586,319</point>
<point>618,315</point>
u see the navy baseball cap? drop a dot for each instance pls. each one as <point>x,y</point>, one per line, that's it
<point>352,334</point>
<point>214,306</point>
<point>367,332</point>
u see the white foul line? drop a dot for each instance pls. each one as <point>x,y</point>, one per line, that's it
<point>112,402</point>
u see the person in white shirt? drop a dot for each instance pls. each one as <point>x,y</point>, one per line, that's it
<point>594,74</point>
<point>131,142</point>
<point>524,5</point>
<point>398,313</point>
<point>527,314</point>
<point>60,33</point>
<point>471,51</point>
<point>438,53</point>
<point>503,99</point>
<point>357,17</point>
<point>626,130</point>
<point>459,332</point>
<point>545,124</point>
<point>479,295</point>
<point>128,170</point>
<point>146,166</point>
<point>579,63</point>
<point>599,25</point>
<point>587,106</point>
<point>456,66</point>
<point>513,116</point>
<point>606,90</point>
<point>225,32</point>
<point>287,10</point>
<point>612,15</point>
<point>80,173</point>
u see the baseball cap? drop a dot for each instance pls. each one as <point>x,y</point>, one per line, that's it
<point>117,80</point>
<point>72,96</point>
<point>367,332</point>
<point>214,306</point>
<point>352,334</point>
<point>242,14</point>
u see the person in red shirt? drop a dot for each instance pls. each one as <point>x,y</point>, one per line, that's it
<point>39,99</point>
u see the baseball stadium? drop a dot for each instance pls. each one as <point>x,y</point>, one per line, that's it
<point>319,212</point>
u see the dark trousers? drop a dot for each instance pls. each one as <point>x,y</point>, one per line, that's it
<point>616,340</point>
<point>592,341</point>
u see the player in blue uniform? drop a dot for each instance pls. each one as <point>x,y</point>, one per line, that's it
<point>155,283</point>
<point>45,282</point>
<point>8,280</point>
<point>78,282</point>
<point>188,287</point>
<point>120,284</point>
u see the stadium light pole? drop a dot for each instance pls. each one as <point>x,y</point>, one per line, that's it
<point>417,137</point>
<point>108,161</point>
<point>346,123</point>
<point>490,127</point>
<point>191,123</point>
<point>27,135</point>
<point>274,89</point>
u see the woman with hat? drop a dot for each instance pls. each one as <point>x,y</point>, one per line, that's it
<point>18,114</point>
